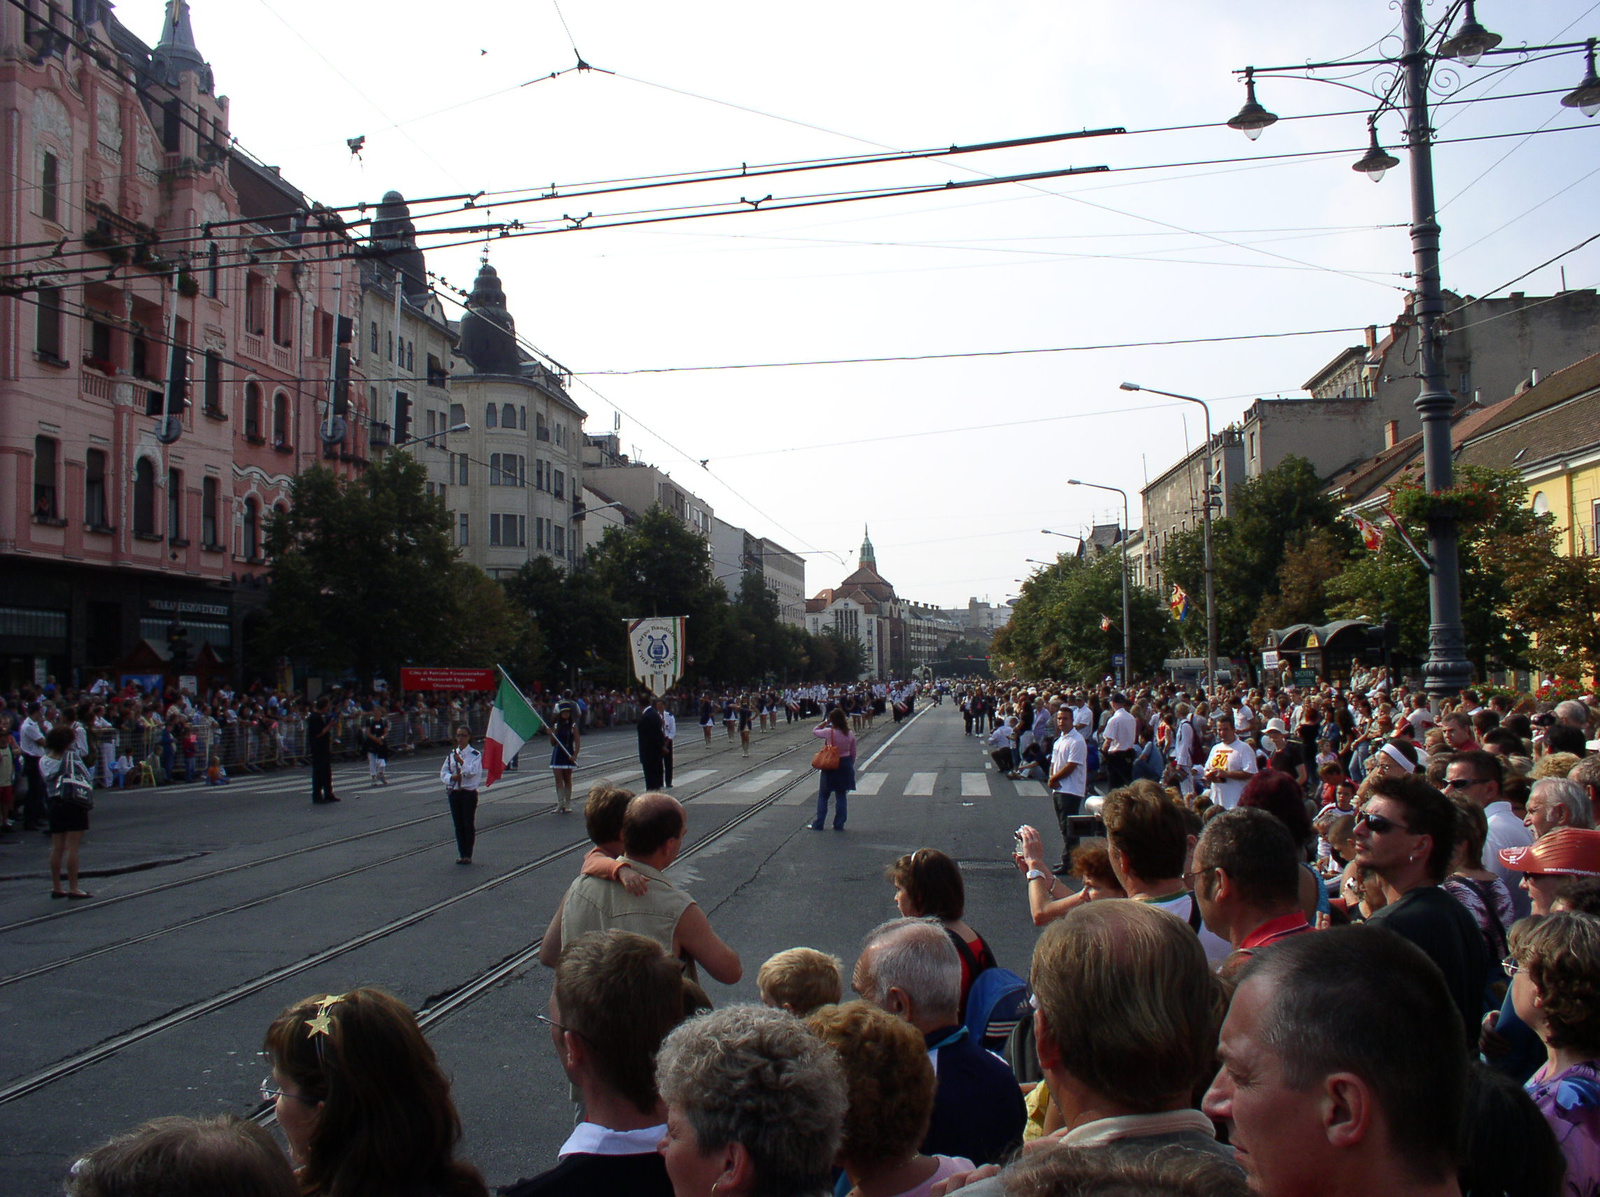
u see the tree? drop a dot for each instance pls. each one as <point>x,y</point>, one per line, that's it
<point>1512,578</point>
<point>1302,590</point>
<point>1056,627</point>
<point>1272,515</point>
<point>659,566</point>
<point>580,625</point>
<point>849,656</point>
<point>962,649</point>
<point>493,628</point>
<point>362,572</point>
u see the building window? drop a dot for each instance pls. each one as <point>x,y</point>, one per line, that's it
<point>174,505</point>
<point>213,383</point>
<point>255,304</point>
<point>391,344</point>
<point>208,512</point>
<point>144,498</point>
<point>402,417</point>
<point>44,478</point>
<point>374,337</point>
<point>252,411</point>
<point>282,317</point>
<point>494,530</point>
<point>461,467</point>
<point>491,417</point>
<point>541,427</point>
<point>461,536</point>
<point>538,532</point>
<point>94,489</point>
<point>522,421</point>
<point>280,420</point>
<point>411,357</point>
<point>558,536</point>
<point>494,470</point>
<point>50,187</point>
<point>213,269</point>
<point>560,488</point>
<point>458,414</point>
<point>508,416</point>
<point>433,423</point>
<point>252,530</point>
<point>47,338</point>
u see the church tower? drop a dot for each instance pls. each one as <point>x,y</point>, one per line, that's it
<point>868,557</point>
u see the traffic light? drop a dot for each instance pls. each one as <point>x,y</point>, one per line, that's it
<point>178,644</point>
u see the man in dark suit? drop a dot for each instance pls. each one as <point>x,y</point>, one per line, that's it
<point>653,745</point>
<point>319,739</point>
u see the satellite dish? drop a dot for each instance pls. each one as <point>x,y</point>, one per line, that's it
<point>333,431</point>
<point>169,430</point>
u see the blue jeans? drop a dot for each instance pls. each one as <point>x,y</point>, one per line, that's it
<point>839,782</point>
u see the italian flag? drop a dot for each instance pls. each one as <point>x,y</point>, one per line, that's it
<point>512,724</point>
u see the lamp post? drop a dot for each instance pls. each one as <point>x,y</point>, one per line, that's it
<point>1447,670</point>
<point>422,440</point>
<point>1127,627</point>
<point>1205,522</point>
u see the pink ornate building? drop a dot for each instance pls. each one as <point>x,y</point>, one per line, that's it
<point>131,225</point>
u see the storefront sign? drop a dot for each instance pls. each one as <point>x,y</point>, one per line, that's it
<point>190,608</point>
<point>447,679</point>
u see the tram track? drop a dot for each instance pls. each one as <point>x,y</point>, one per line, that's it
<point>457,998</point>
<point>592,771</point>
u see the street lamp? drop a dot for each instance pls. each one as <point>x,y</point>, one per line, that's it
<point>1064,536</point>
<point>421,440</point>
<point>1205,522</point>
<point>1447,670</point>
<point>1127,627</point>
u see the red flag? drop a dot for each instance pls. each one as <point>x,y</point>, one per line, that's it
<point>1371,536</point>
<point>1105,623</point>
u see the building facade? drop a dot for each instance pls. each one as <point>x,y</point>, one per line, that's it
<point>638,486</point>
<point>736,552</point>
<point>517,484</point>
<point>164,370</point>
<point>897,635</point>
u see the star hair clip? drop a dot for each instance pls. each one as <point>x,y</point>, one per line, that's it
<point>322,1024</point>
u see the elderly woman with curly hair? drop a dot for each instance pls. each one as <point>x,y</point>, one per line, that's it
<point>755,1106</point>
<point>890,1081</point>
<point>362,1100</point>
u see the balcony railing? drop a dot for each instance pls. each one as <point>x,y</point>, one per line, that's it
<point>378,437</point>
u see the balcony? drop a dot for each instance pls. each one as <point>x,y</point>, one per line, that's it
<point>253,345</point>
<point>378,437</point>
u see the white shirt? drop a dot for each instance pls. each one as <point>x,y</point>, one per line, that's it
<point>1237,757</point>
<point>669,726</point>
<point>1121,733</point>
<point>470,762</point>
<point>590,1138</point>
<point>1071,747</point>
<point>1506,831</point>
<point>31,737</point>
<point>1184,752</point>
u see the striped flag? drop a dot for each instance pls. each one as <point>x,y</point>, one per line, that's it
<point>1105,623</point>
<point>1179,602</point>
<point>512,723</point>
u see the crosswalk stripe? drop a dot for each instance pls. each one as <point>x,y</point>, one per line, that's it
<point>870,783</point>
<point>693,775</point>
<point>759,781</point>
<point>1028,787</point>
<point>975,785</point>
<point>921,785</point>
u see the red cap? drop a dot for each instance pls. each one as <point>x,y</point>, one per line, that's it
<point>1571,851</point>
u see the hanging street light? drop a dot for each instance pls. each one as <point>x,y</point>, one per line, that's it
<point>1252,118</point>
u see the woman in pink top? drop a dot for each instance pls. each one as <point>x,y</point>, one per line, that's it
<point>836,731</point>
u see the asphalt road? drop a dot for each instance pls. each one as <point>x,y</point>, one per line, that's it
<point>217,907</point>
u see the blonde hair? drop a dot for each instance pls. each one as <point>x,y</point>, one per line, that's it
<point>800,980</point>
<point>1554,764</point>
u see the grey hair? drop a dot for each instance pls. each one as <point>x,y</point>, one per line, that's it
<point>1574,712</point>
<point>1568,793</point>
<point>757,1077</point>
<point>914,955</point>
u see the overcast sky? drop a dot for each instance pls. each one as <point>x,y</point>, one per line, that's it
<point>955,463</point>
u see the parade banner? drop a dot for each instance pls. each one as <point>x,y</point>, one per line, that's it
<point>447,679</point>
<point>658,650</point>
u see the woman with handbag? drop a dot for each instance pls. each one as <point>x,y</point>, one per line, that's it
<point>68,809</point>
<point>835,763</point>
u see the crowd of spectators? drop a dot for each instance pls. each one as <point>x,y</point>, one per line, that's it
<point>1210,1008</point>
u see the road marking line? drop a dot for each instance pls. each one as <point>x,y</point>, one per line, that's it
<point>693,775</point>
<point>1028,787</point>
<point>870,784</point>
<point>759,781</point>
<point>890,741</point>
<point>921,785</point>
<point>975,785</point>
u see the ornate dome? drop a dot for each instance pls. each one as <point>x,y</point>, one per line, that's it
<point>488,334</point>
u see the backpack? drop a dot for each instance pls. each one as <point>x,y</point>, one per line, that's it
<point>71,785</point>
<point>997,1001</point>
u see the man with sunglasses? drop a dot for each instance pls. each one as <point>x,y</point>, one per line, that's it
<point>1406,833</point>
<point>1477,775</point>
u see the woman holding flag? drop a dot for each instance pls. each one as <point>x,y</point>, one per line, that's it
<point>565,741</point>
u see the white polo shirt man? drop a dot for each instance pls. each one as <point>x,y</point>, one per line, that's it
<point>1230,765</point>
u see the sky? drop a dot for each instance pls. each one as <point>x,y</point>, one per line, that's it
<point>1013,310</point>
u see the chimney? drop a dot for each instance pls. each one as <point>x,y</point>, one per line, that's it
<point>1391,433</point>
<point>1372,339</point>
